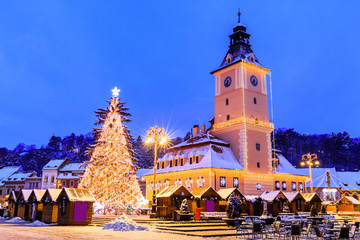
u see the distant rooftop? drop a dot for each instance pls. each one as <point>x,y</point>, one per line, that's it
<point>54,164</point>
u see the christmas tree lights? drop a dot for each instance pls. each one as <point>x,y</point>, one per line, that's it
<point>111,171</point>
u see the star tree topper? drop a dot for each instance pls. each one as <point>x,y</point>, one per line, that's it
<point>115,92</point>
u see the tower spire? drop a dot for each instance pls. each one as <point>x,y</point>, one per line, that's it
<point>239,14</point>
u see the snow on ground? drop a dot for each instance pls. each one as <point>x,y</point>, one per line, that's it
<point>2,218</point>
<point>124,223</point>
<point>37,223</point>
<point>16,220</point>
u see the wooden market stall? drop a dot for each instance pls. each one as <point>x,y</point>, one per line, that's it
<point>205,198</point>
<point>50,207</point>
<point>274,201</point>
<point>170,198</point>
<point>37,206</point>
<point>348,204</point>
<point>253,206</point>
<point>296,201</point>
<point>13,205</point>
<point>225,193</point>
<point>310,200</point>
<point>75,206</point>
<point>24,207</point>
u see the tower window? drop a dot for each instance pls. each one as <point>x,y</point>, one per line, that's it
<point>258,146</point>
<point>258,186</point>
<point>255,102</point>
<point>227,102</point>
<point>228,117</point>
<point>258,165</point>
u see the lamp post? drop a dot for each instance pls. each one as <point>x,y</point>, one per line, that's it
<point>309,159</point>
<point>155,136</point>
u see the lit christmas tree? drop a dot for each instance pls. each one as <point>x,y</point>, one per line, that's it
<point>110,173</point>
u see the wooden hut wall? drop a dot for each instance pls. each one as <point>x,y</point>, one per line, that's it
<point>346,207</point>
<point>71,213</point>
<point>13,209</point>
<point>297,205</point>
<point>275,207</point>
<point>49,212</point>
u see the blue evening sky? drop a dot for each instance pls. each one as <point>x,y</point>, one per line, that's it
<point>60,59</point>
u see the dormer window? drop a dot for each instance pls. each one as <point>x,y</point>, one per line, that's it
<point>197,159</point>
<point>158,165</point>
<point>162,164</point>
<point>171,163</point>
<point>191,160</point>
<point>181,162</point>
<point>176,162</point>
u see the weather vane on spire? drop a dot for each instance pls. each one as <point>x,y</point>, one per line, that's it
<point>115,91</point>
<point>239,16</point>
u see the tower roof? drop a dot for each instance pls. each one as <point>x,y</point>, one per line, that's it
<point>239,48</point>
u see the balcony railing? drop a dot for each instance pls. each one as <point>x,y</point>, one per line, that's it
<point>243,120</point>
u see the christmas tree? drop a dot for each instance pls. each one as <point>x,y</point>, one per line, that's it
<point>233,206</point>
<point>110,172</point>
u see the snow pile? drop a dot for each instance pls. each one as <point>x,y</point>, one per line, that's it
<point>124,223</point>
<point>37,223</point>
<point>15,220</point>
<point>2,218</point>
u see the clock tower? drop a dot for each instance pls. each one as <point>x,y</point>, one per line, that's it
<point>241,104</point>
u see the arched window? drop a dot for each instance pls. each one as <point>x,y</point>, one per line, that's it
<point>227,101</point>
<point>255,102</point>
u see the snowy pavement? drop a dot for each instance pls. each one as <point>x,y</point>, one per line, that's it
<point>21,231</point>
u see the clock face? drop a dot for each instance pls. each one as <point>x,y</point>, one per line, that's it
<point>227,81</point>
<point>253,80</point>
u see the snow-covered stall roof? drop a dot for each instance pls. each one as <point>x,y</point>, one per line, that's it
<point>169,191</point>
<point>252,198</point>
<point>226,192</point>
<point>54,164</point>
<point>13,195</point>
<point>6,172</point>
<point>353,200</point>
<point>292,195</point>
<point>79,195</point>
<point>214,156</point>
<point>205,192</point>
<point>25,194</point>
<point>310,196</point>
<point>200,138</point>
<point>37,194</point>
<point>286,167</point>
<point>53,193</point>
<point>71,167</point>
<point>272,195</point>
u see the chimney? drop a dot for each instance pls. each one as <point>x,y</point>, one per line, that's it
<point>195,130</point>
<point>203,128</point>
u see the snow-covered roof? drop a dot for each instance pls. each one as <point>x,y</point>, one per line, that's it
<point>79,195</point>
<point>226,192</point>
<point>309,196</point>
<point>215,156</point>
<point>252,198</point>
<point>349,199</point>
<point>347,180</point>
<point>16,177</point>
<point>200,138</point>
<point>6,172</point>
<point>62,176</point>
<point>200,192</point>
<point>169,191</point>
<point>54,164</point>
<point>291,195</point>
<point>25,193</point>
<point>38,194</point>
<point>73,167</point>
<point>141,172</point>
<point>272,195</point>
<point>286,167</point>
<point>53,193</point>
